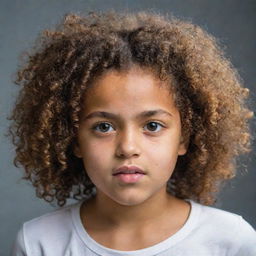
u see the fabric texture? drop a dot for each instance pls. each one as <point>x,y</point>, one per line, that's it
<point>208,231</point>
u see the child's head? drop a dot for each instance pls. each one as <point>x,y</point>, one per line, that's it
<point>129,119</point>
<point>60,80</point>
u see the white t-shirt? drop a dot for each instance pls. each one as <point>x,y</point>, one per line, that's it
<point>208,231</point>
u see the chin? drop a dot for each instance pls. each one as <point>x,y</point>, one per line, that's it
<point>130,200</point>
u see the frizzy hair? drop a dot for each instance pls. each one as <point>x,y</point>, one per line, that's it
<point>64,62</point>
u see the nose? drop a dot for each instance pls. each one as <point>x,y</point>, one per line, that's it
<point>128,144</point>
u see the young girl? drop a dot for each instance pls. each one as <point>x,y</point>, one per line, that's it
<point>140,117</point>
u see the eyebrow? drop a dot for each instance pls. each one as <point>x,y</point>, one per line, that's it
<point>144,114</point>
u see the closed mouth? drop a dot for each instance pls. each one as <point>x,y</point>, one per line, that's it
<point>128,170</point>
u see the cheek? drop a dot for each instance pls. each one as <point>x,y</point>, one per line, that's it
<point>163,156</point>
<point>95,156</point>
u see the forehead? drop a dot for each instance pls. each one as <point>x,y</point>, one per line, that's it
<point>133,86</point>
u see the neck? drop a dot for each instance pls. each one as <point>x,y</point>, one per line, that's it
<point>111,213</point>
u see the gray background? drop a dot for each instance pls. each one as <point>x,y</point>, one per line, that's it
<point>231,21</point>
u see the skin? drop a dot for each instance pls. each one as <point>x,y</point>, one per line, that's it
<point>124,211</point>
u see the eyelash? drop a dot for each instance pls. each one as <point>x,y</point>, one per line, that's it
<point>97,125</point>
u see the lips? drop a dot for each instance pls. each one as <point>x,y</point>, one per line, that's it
<point>125,169</point>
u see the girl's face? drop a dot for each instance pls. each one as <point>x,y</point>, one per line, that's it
<point>141,127</point>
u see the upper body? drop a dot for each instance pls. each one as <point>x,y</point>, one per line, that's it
<point>208,231</point>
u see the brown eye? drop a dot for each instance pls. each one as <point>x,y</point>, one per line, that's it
<point>102,127</point>
<point>152,126</point>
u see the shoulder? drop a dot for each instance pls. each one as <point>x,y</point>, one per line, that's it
<point>50,229</point>
<point>227,228</point>
<point>53,220</point>
<point>224,219</point>
<point>246,238</point>
<point>210,215</point>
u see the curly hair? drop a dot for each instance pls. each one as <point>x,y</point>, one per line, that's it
<point>64,61</point>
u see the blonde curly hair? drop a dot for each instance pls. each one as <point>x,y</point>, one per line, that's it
<point>208,94</point>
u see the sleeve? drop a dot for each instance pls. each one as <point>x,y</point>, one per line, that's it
<point>18,246</point>
<point>246,239</point>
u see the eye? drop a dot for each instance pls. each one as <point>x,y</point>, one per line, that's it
<point>153,126</point>
<point>103,127</point>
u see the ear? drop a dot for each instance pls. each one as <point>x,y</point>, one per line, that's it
<point>76,150</point>
<point>182,147</point>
